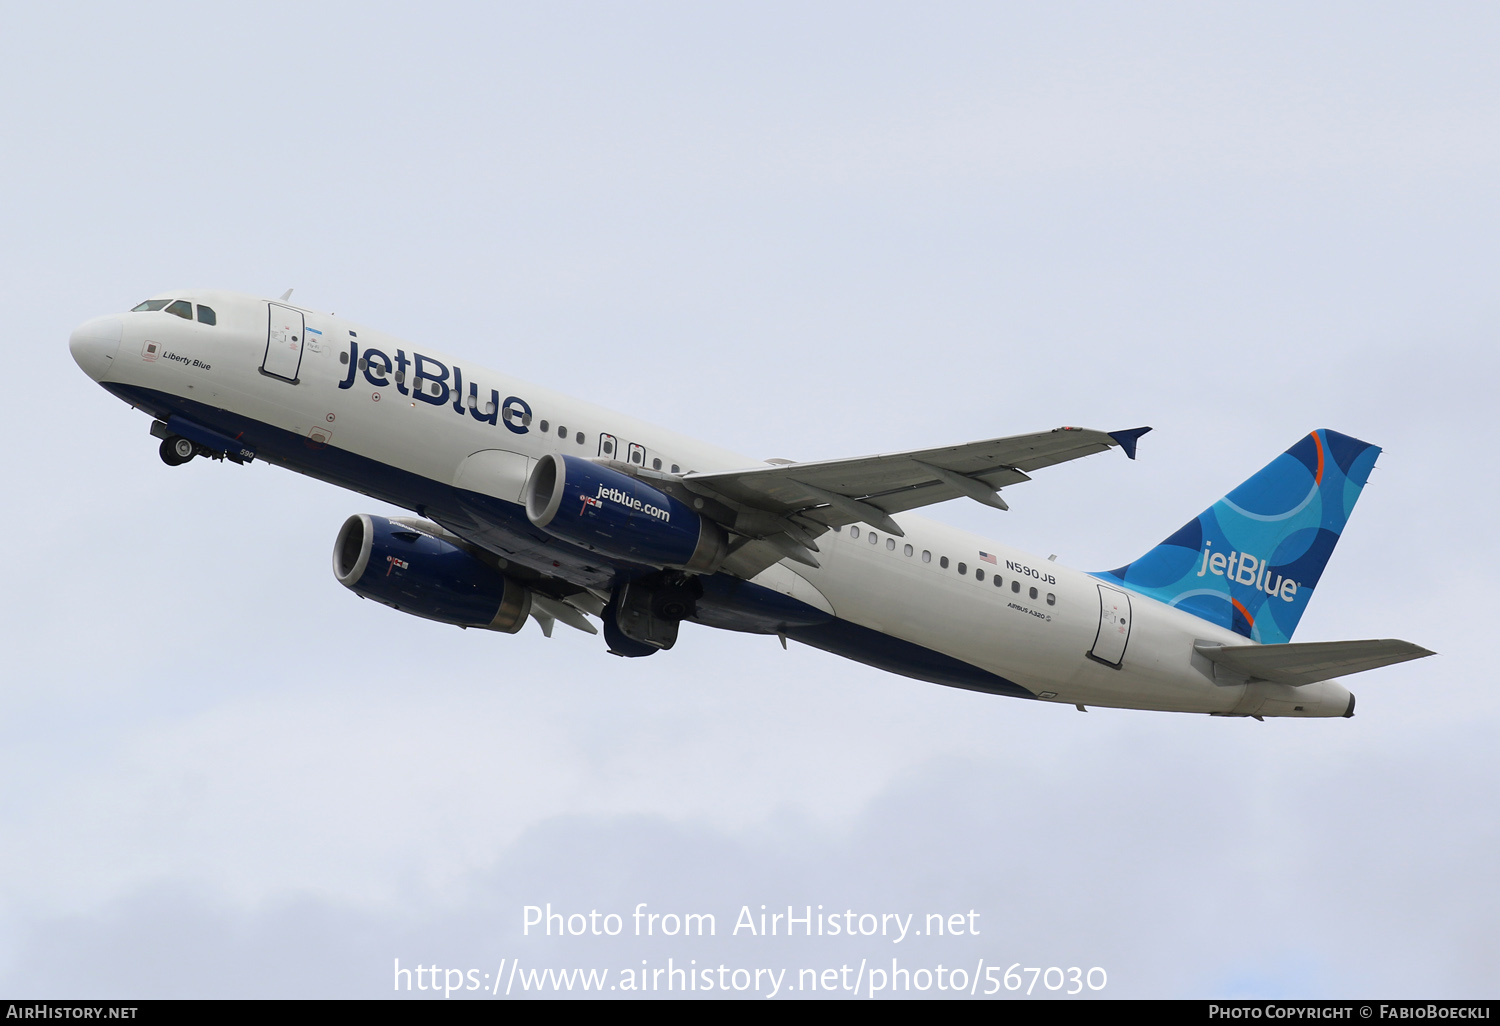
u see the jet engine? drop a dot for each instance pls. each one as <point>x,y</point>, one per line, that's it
<point>419,568</point>
<point>589,504</point>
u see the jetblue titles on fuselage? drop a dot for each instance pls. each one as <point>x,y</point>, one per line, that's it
<point>378,369</point>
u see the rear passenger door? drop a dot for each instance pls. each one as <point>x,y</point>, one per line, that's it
<point>1114,627</point>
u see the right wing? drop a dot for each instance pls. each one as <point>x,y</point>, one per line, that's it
<point>777,512</point>
<point>780,510</point>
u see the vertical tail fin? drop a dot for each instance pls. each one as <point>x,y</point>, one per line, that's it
<point>1251,561</point>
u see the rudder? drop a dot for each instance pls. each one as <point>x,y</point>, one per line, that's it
<point>1251,561</point>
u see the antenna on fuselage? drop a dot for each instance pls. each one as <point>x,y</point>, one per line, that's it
<point>286,295</point>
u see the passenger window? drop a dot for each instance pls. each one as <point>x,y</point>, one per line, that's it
<point>182,308</point>
<point>1051,599</point>
<point>579,438</point>
<point>963,568</point>
<point>206,316</point>
<point>943,562</point>
<point>890,543</point>
<point>675,469</point>
<point>562,432</point>
<point>998,581</point>
<point>853,531</point>
<point>401,377</point>
<point>873,538</point>
<point>1033,593</point>
<point>343,358</point>
<point>909,550</point>
<point>1015,586</point>
<point>978,574</point>
<point>437,388</point>
<point>656,464</point>
<point>364,364</point>
<point>543,426</point>
<point>926,556</point>
<point>150,305</point>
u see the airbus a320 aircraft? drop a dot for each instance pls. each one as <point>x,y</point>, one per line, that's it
<point>533,505</point>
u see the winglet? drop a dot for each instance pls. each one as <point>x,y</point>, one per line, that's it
<point>1127,439</point>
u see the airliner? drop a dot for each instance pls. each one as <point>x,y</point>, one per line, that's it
<point>533,506</point>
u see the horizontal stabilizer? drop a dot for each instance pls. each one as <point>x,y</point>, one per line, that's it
<point>1307,663</point>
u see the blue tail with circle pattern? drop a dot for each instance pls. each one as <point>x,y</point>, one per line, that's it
<point>1252,560</point>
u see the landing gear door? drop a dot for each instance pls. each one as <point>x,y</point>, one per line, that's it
<point>1114,626</point>
<point>284,339</point>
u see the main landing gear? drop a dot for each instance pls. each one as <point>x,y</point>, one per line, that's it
<point>642,616</point>
<point>176,450</point>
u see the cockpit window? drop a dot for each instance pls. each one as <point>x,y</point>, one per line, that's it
<point>150,304</point>
<point>206,315</point>
<point>182,308</point>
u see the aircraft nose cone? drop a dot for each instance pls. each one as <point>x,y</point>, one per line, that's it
<point>93,345</point>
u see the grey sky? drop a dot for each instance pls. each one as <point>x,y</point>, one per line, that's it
<point>802,233</point>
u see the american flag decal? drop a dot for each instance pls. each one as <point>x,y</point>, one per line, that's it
<point>987,558</point>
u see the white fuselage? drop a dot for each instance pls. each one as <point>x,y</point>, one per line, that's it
<point>1037,628</point>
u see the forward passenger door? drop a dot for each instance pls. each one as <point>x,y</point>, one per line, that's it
<point>284,341</point>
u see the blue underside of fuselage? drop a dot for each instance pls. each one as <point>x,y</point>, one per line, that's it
<point>502,527</point>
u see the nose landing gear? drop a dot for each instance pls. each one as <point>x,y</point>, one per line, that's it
<point>176,450</point>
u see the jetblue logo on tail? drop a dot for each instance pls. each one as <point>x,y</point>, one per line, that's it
<point>1243,568</point>
<point>1251,561</point>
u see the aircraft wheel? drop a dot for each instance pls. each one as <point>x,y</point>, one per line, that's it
<point>176,451</point>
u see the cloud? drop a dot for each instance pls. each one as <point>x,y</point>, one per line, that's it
<point>1212,871</point>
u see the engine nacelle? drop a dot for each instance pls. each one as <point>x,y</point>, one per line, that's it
<point>602,509</point>
<point>409,566</point>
